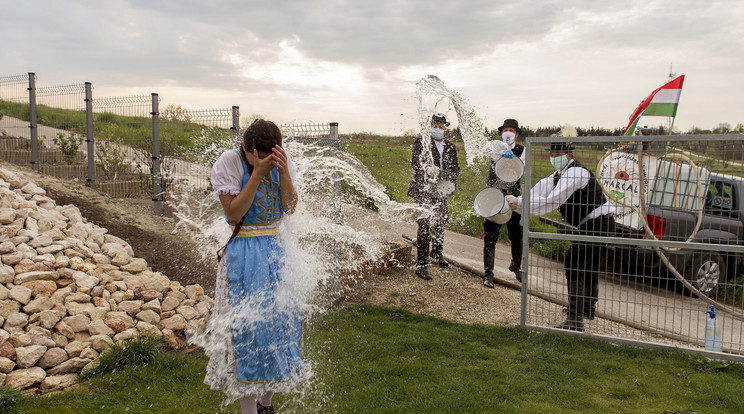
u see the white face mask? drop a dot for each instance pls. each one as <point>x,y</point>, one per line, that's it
<point>559,162</point>
<point>508,137</point>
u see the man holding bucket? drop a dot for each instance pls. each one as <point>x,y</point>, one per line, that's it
<point>576,193</point>
<point>509,149</point>
<point>435,171</point>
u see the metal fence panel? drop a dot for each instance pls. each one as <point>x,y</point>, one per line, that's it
<point>678,247</point>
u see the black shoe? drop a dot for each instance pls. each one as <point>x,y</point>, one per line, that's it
<point>488,281</point>
<point>571,325</point>
<point>441,262</point>
<point>513,267</point>
<point>589,313</point>
<point>518,275</point>
<point>264,410</point>
<point>423,273</point>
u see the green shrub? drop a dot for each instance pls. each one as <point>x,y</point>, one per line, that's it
<point>142,350</point>
<point>69,145</point>
<point>9,398</point>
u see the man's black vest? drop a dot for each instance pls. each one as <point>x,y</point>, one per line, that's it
<point>583,201</point>
<point>513,188</point>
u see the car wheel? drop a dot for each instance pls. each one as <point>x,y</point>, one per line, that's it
<point>705,272</point>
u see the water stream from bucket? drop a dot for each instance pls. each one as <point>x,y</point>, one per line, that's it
<point>317,242</point>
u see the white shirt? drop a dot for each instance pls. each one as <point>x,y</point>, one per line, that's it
<point>546,196</point>
<point>496,148</point>
<point>440,148</point>
<point>227,176</point>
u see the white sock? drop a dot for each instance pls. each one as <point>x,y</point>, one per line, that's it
<point>248,405</point>
<point>265,399</point>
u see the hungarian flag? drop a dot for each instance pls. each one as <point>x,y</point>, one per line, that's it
<point>661,102</point>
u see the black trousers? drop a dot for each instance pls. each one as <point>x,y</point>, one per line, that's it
<point>431,230</point>
<point>582,265</point>
<point>491,236</point>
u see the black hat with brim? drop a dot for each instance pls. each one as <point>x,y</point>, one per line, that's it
<point>561,147</point>
<point>440,118</point>
<point>510,123</point>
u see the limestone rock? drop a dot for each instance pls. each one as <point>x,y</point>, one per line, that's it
<point>24,378</point>
<point>52,357</point>
<point>136,265</point>
<point>101,343</point>
<point>27,356</point>
<point>77,323</point>
<point>37,275</point>
<point>173,340</point>
<point>19,339</point>
<point>149,316</point>
<point>58,382</point>
<point>100,328</point>
<point>175,323</point>
<point>39,305</point>
<point>15,322</point>
<point>41,288</point>
<point>20,294</point>
<point>126,334</point>
<point>9,306</point>
<point>153,305</point>
<point>6,365</point>
<point>7,274</point>
<point>71,365</point>
<point>131,307</point>
<point>74,348</point>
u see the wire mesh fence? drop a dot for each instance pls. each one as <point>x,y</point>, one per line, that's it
<point>123,136</point>
<point>636,241</point>
<point>14,94</point>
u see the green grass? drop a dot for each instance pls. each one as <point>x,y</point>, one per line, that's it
<point>382,360</point>
<point>181,138</point>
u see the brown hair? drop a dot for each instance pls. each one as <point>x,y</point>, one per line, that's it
<point>262,135</point>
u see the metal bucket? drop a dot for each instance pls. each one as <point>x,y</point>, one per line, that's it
<point>490,203</point>
<point>509,170</point>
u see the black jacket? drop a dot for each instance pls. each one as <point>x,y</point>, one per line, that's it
<point>493,179</point>
<point>449,171</point>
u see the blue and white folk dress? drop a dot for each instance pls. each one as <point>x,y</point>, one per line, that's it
<point>255,333</point>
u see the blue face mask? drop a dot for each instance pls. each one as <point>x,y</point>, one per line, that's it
<point>559,162</point>
<point>437,134</point>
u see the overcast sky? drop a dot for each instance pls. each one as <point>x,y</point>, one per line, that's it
<point>581,62</point>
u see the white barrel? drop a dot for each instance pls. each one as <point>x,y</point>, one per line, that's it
<point>489,202</point>
<point>509,170</point>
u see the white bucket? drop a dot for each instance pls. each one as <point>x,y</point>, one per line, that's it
<point>503,216</point>
<point>509,170</point>
<point>489,202</point>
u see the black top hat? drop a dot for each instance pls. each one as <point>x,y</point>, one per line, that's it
<point>511,123</point>
<point>561,146</point>
<point>440,118</point>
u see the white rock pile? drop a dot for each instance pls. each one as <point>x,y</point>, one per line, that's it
<point>69,291</point>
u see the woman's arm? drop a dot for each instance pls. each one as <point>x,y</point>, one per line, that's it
<point>236,206</point>
<point>287,190</point>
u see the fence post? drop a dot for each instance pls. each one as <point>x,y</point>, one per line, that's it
<point>32,121</point>
<point>157,196</point>
<point>236,126</point>
<point>89,138</point>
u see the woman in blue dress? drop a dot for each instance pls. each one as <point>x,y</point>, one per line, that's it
<point>255,333</point>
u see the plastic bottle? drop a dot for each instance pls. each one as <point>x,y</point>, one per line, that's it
<point>712,331</point>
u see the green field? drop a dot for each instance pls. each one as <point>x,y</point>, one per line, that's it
<point>380,360</point>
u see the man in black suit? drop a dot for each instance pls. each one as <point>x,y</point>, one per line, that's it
<point>574,191</point>
<point>435,171</point>
<point>507,148</point>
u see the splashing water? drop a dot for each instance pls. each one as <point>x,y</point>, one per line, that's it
<point>317,244</point>
<point>431,92</point>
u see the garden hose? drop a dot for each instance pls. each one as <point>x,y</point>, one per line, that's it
<point>641,211</point>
